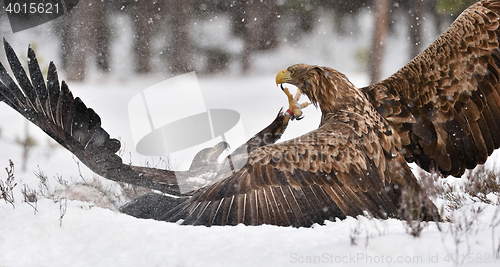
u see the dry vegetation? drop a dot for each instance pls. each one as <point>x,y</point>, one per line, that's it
<point>7,187</point>
<point>462,202</point>
<point>92,191</point>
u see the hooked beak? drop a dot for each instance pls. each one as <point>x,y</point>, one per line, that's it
<point>283,77</point>
<point>217,150</point>
<point>222,146</point>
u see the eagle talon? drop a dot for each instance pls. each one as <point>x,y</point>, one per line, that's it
<point>292,115</point>
<point>294,108</point>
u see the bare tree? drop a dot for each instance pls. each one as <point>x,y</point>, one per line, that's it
<point>260,29</point>
<point>143,15</point>
<point>84,32</point>
<point>75,42</point>
<point>345,12</point>
<point>379,37</point>
<point>415,27</point>
<point>102,36</point>
<point>268,37</point>
<point>250,34</point>
<point>237,15</point>
<point>181,45</point>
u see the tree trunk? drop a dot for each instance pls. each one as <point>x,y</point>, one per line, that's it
<point>102,36</point>
<point>85,33</point>
<point>415,26</point>
<point>381,23</point>
<point>268,25</point>
<point>260,29</point>
<point>76,35</point>
<point>143,14</point>
<point>249,35</point>
<point>182,49</point>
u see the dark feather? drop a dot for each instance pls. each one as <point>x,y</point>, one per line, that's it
<point>441,110</point>
<point>67,120</point>
<point>451,88</point>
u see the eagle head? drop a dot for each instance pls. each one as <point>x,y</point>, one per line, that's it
<point>323,86</point>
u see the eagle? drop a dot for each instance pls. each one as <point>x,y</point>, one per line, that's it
<point>441,111</point>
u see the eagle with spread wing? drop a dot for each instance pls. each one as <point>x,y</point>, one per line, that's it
<point>441,111</point>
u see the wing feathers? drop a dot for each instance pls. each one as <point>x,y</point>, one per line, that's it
<point>11,92</point>
<point>37,80</point>
<point>481,150</point>
<point>273,208</point>
<point>53,88</point>
<point>444,107</point>
<point>65,108</point>
<point>214,212</point>
<point>264,207</point>
<point>20,76</point>
<point>226,211</point>
<point>279,205</point>
<point>68,121</point>
<point>254,212</point>
<point>446,100</point>
<point>345,175</point>
<point>310,215</point>
<point>493,121</point>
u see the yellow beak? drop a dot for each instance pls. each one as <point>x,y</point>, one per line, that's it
<point>283,77</point>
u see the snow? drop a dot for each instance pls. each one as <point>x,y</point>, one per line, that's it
<point>90,236</point>
<point>76,233</point>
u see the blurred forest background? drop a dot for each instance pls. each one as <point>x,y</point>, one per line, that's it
<point>169,30</point>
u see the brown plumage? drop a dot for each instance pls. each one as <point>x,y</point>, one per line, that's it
<point>350,164</point>
<point>445,104</point>
<point>441,110</point>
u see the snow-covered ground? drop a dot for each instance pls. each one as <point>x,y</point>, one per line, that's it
<point>75,233</point>
<point>99,237</point>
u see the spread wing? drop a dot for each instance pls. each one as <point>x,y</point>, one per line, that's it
<point>66,119</point>
<point>445,103</point>
<point>337,170</point>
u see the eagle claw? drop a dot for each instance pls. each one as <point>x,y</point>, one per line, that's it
<point>294,108</point>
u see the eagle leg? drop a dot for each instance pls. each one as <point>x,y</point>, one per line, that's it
<point>294,108</point>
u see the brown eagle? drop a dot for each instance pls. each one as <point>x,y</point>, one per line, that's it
<point>441,110</point>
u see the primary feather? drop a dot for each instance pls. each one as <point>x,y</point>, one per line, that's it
<point>441,110</point>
